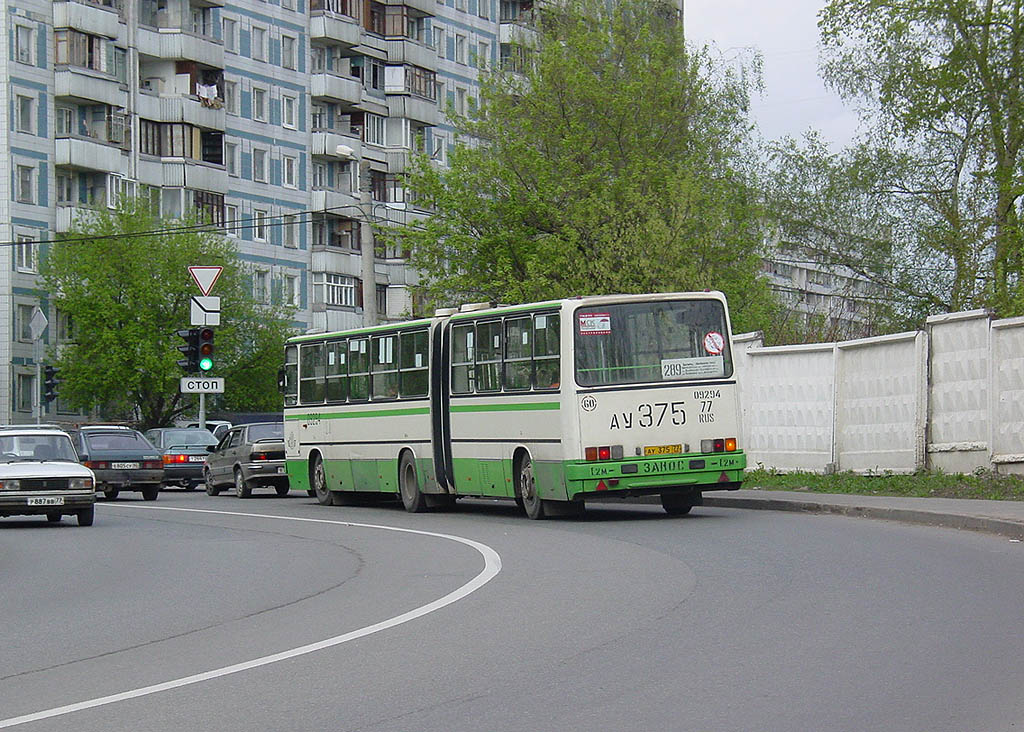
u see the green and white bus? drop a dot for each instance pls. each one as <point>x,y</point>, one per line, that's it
<point>550,404</point>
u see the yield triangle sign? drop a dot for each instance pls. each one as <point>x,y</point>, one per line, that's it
<point>205,277</point>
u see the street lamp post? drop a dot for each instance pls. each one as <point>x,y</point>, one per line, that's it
<point>369,272</point>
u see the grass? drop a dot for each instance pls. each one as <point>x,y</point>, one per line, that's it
<point>980,484</point>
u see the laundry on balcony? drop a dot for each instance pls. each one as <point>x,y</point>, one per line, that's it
<point>208,96</point>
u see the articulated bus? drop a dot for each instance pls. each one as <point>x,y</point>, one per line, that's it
<point>550,404</point>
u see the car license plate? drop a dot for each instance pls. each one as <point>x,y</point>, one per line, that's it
<point>663,449</point>
<point>46,501</point>
<point>282,469</point>
<point>196,458</point>
<point>124,466</point>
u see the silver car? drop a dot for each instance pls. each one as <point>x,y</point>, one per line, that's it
<point>248,456</point>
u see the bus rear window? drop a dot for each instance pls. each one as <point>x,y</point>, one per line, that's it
<point>650,342</point>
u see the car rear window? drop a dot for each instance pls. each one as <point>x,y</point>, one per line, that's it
<point>117,441</point>
<point>189,437</point>
<point>266,431</point>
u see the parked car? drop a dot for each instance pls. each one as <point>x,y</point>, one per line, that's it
<point>217,426</point>
<point>184,452</point>
<point>121,458</point>
<point>40,475</point>
<point>248,456</point>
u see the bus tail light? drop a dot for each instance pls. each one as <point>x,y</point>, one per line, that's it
<point>719,444</point>
<point>604,452</point>
<point>730,444</point>
<point>590,453</point>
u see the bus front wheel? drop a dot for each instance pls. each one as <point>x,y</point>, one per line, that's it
<point>323,494</point>
<point>409,485</point>
<point>526,490</point>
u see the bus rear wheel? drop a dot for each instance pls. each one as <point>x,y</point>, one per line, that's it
<point>679,504</point>
<point>409,485</point>
<point>323,495</point>
<point>526,490</point>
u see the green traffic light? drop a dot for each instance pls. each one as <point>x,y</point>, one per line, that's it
<point>205,364</point>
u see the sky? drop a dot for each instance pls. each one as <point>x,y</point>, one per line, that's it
<point>785,32</point>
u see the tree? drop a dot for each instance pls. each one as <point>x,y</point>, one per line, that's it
<point>942,79</point>
<point>611,160</point>
<point>121,277</point>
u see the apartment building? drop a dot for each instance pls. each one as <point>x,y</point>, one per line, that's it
<point>287,122</point>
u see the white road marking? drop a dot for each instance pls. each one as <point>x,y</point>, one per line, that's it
<point>492,565</point>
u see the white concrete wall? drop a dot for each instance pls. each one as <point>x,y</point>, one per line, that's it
<point>1007,395</point>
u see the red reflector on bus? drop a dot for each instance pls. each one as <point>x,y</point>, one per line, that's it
<point>604,453</point>
<point>590,453</point>
<point>601,486</point>
<point>719,445</point>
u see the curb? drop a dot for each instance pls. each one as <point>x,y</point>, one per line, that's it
<point>1001,527</point>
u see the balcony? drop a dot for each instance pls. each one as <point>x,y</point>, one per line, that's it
<point>427,7</point>
<point>335,28</point>
<point>406,51</point>
<point>190,109</point>
<point>88,17</point>
<point>67,215</point>
<point>337,88</point>
<point>325,143</point>
<point>189,173</point>
<point>343,203</point>
<point>89,86</point>
<point>415,108</point>
<point>88,153</point>
<point>176,43</point>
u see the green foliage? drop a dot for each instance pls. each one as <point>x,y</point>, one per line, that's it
<point>614,163</point>
<point>940,81</point>
<point>981,484</point>
<point>127,290</point>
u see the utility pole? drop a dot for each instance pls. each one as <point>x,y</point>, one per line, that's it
<point>369,272</point>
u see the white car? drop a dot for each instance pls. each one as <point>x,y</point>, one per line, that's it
<point>40,475</point>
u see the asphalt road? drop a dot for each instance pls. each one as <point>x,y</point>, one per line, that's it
<point>627,619</point>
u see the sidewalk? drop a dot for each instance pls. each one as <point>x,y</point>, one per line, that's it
<point>1005,518</point>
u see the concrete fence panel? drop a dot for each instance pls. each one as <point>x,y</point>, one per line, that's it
<point>881,403</point>
<point>958,396</point>
<point>1007,395</point>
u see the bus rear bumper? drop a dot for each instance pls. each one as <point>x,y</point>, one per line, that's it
<point>641,477</point>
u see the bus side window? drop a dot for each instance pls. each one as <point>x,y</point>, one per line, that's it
<point>412,363</point>
<point>488,356</point>
<point>546,351</point>
<point>385,367</point>
<point>311,385</point>
<point>337,371</point>
<point>518,353</point>
<point>462,359</point>
<point>359,369</point>
<point>291,375</point>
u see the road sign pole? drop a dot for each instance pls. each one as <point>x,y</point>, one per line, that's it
<point>202,411</point>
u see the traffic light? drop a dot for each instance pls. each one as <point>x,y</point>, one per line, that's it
<point>189,364</point>
<point>205,349</point>
<point>50,382</point>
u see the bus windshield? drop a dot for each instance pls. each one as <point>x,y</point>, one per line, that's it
<point>644,342</point>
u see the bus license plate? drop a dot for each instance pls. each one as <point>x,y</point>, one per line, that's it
<point>46,501</point>
<point>663,449</point>
<point>124,466</point>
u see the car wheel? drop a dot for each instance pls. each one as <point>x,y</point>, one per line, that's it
<point>53,518</point>
<point>85,516</point>
<point>211,489</point>
<point>409,485</point>
<point>150,492</point>
<point>190,486</point>
<point>526,487</point>
<point>241,489</point>
<point>282,490</point>
<point>111,494</point>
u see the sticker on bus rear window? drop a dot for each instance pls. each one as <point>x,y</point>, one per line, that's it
<point>595,323</point>
<point>714,343</point>
<point>691,368</point>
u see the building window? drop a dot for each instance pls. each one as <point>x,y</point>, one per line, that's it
<point>382,300</point>
<point>288,52</point>
<point>291,291</point>
<point>483,54</point>
<point>460,100</point>
<point>340,290</point>
<point>319,175</point>
<point>288,171</point>
<point>26,191</point>
<point>375,130</point>
<point>26,385</point>
<point>259,224</point>
<point>65,187</point>
<point>259,165</point>
<point>230,33</point>
<point>209,206</point>
<point>378,185</point>
<point>231,97</point>
<point>259,43</point>
<point>319,117</point>
<point>484,8</point>
<point>23,324</point>
<point>26,118</point>
<point>259,104</point>
<point>460,49</point>
<point>25,254</point>
<point>79,49</point>
<point>231,220</point>
<point>374,74</point>
<point>23,38</point>
<point>65,327</point>
<point>260,290</point>
<point>290,231</point>
<point>231,158</point>
<point>289,114</point>
<point>421,82</point>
